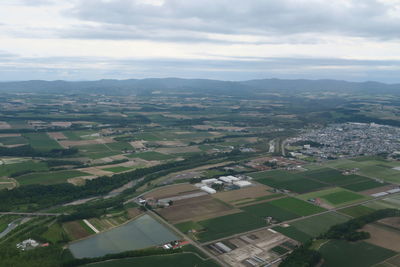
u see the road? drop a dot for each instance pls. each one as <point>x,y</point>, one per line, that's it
<point>31,213</point>
<point>293,220</point>
<point>191,241</point>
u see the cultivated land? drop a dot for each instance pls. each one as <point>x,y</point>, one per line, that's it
<point>87,159</point>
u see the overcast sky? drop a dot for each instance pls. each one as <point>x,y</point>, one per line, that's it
<point>354,40</point>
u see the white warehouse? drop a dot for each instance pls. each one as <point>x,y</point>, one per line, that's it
<point>242,183</point>
<point>208,189</point>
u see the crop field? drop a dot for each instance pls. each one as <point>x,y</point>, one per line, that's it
<point>296,206</point>
<point>335,196</point>
<point>295,182</point>
<point>383,236</point>
<point>80,135</point>
<point>362,186</point>
<point>97,151</point>
<point>184,259</point>
<point>119,146</point>
<point>249,194</point>
<point>49,177</point>
<point>228,225</point>
<point>117,169</point>
<point>9,169</point>
<point>334,177</point>
<point>266,209</point>
<point>317,225</point>
<point>13,140</point>
<point>151,155</point>
<point>75,230</point>
<point>41,141</point>
<point>386,173</point>
<point>293,233</point>
<point>357,211</point>
<point>195,209</point>
<point>355,254</point>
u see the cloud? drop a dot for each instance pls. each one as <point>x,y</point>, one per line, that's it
<point>362,18</point>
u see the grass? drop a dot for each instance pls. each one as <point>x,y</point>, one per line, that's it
<point>317,225</point>
<point>181,259</point>
<point>357,211</point>
<point>41,141</point>
<point>190,225</point>
<point>355,254</point>
<point>49,177</point>
<point>341,197</point>
<point>55,234</point>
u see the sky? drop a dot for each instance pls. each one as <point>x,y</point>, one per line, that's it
<point>355,40</point>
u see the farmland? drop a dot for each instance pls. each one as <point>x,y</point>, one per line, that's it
<point>359,254</point>
<point>335,196</point>
<point>49,177</point>
<point>41,141</point>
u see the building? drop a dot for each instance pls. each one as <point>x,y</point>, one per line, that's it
<point>208,189</point>
<point>242,183</point>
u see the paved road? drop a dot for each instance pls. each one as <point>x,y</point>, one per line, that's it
<point>31,213</point>
<point>191,241</point>
<point>293,220</point>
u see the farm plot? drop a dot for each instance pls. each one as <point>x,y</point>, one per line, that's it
<point>357,211</point>
<point>295,182</point>
<point>97,151</point>
<point>228,225</point>
<point>23,167</point>
<point>244,194</point>
<point>13,140</point>
<point>334,177</point>
<point>335,197</point>
<point>173,190</point>
<point>383,236</point>
<point>363,186</point>
<point>151,155</point>
<point>381,172</point>
<point>317,225</point>
<point>355,254</point>
<point>264,210</point>
<point>41,141</point>
<point>195,209</point>
<point>75,230</point>
<point>49,177</point>
<point>293,233</point>
<point>296,206</point>
<point>117,169</point>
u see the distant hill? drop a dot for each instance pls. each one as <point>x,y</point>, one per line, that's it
<point>146,86</point>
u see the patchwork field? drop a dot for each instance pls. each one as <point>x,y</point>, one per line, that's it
<point>151,155</point>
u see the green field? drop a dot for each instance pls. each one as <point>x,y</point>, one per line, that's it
<point>13,140</point>
<point>334,177</point>
<point>296,206</point>
<point>97,151</point>
<point>181,259</point>
<point>49,177</point>
<point>335,196</point>
<point>353,254</point>
<point>317,225</point>
<point>357,187</point>
<point>381,172</point>
<point>228,225</point>
<point>293,233</point>
<point>119,146</point>
<point>9,169</point>
<point>41,141</point>
<point>357,211</point>
<point>151,155</point>
<point>80,135</point>
<point>264,210</point>
<point>295,182</point>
